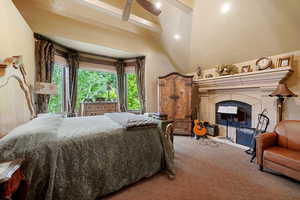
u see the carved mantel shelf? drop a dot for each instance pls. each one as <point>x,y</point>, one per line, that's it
<point>265,80</point>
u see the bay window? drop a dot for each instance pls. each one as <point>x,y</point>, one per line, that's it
<point>96,81</point>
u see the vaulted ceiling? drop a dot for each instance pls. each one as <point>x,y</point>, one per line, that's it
<point>246,30</point>
<point>208,32</point>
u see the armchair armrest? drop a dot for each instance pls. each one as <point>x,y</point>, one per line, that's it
<point>264,141</point>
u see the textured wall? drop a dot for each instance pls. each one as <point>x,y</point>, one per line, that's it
<point>16,38</point>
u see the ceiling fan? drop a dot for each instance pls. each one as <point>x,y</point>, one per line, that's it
<point>147,5</point>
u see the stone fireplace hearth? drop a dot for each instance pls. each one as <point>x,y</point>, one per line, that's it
<point>250,89</point>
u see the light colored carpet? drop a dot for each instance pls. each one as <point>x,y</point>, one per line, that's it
<point>211,171</point>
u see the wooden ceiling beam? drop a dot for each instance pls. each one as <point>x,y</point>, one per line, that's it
<point>184,5</point>
<point>118,13</point>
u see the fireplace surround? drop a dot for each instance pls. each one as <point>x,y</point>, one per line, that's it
<point>249,90</point>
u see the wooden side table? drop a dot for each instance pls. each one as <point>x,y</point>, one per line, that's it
<point>12,181</point>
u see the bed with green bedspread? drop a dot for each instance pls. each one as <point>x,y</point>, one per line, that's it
<point>84,158</point>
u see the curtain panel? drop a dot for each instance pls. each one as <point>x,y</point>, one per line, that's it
<point>44,59</point>
<point>72,74</point>
<point>140,80</point>
<point>120,67</point>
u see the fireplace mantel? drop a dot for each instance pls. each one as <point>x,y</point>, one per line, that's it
<point>266,79</point>
<point>252,88</point>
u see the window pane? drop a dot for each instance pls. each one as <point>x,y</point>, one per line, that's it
<point>96,84</point>
<point>55,102</point>
<point>133,102</point>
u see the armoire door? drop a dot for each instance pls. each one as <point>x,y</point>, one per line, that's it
<point>183,106</point>
<point>183,94</point>
<point>165,94</point>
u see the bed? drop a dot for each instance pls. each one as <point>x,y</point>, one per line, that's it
<point>85,158</point>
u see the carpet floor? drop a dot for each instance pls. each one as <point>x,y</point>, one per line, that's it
<point>211,171</point>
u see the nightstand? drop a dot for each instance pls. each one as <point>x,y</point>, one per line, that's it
<point>12,181</point>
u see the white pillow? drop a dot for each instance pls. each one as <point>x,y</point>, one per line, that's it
<point>50,115</point>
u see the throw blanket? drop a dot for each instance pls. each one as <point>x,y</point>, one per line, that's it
<point>84,157</point>
<point>129,120</point>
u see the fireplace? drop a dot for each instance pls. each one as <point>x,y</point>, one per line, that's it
<point>249,92</point>
<point>241,119</point>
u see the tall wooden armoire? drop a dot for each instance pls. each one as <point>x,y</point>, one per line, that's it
<point>175,96</point>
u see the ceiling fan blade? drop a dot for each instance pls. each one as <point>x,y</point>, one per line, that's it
<point>150,7</point>
<point>127,10</point>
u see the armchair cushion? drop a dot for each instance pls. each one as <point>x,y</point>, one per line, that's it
<point>283,156</point>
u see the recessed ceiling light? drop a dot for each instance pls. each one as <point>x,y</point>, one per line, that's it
<point>176,36</point>
<point>225,8</point>
<point>158,5</point>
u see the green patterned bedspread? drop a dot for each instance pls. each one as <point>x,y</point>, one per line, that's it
<point>84,158</point>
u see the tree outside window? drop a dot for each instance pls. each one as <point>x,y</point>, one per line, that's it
<point>96,85</point>
<point>92,86</point>
<point>133,102</point>
<point>56,101</point>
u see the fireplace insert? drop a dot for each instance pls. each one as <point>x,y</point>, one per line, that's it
<point>241,119</point>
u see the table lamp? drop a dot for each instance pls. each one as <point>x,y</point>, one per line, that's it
<point>45,88</point>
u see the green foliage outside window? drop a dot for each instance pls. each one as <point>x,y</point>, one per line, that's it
<point>132,93</point>
<point>92,85</point>
<point>55,101</point>
<point>96,84</point>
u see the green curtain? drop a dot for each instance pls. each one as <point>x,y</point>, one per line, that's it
<point>140,81</point>
<point>44,59</point>
<point>120,67</point>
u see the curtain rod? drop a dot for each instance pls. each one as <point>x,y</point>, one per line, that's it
<point>66,49</point>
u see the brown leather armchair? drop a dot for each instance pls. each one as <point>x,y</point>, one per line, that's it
<point>280,150</point>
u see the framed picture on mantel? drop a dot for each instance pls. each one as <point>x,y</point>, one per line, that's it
<point>246,68</point>
<point>285,61</point>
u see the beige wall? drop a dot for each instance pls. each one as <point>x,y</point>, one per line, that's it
<point>16,38</point>
<point>292,109</point>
